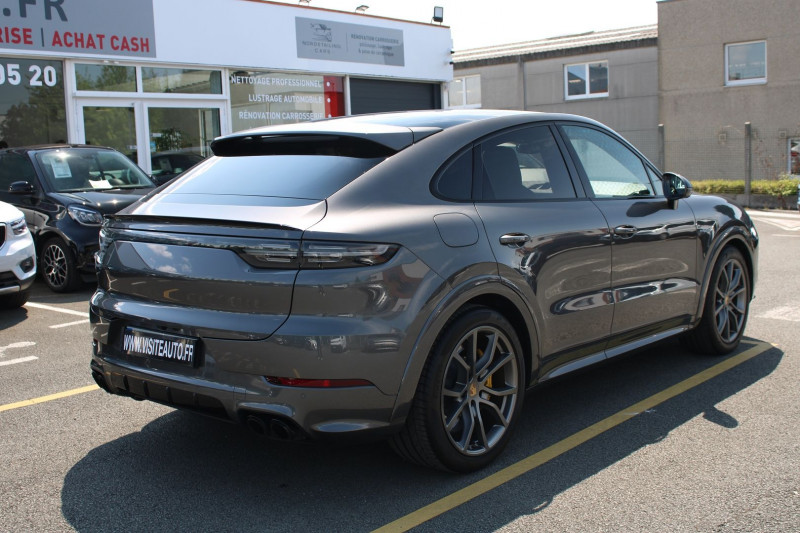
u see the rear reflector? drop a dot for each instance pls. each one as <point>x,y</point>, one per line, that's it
<point>318,383</point>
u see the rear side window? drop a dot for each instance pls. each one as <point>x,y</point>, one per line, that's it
<point>313,177</point>
<point>455,183</point>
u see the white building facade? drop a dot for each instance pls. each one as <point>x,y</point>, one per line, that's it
<point>149,76</point>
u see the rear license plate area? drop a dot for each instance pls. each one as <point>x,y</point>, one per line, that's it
<point>160,346</point>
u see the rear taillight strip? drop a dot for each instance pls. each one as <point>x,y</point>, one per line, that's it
<point>316,255</point>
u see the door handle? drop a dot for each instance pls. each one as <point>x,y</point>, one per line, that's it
<point>625,231</point>
<point>514,239</point>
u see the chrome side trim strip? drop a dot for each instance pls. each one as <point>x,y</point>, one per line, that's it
<point>613,352</point>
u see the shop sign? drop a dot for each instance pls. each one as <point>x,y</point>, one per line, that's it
<point>340,41</point>
<point>102,27</point>
<point>260,98</point>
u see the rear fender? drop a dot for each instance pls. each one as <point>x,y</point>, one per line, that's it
<point>483,290</point>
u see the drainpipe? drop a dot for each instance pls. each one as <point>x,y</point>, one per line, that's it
<point>521,64</point>
<point>748,162</point>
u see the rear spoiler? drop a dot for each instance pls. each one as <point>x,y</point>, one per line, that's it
<point>382,142</point>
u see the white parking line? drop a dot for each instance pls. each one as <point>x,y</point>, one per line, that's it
<point>772,214</point>
<point>20,360</point>
<point>785,312</point>
<point>67,324</point>
<point>23,344</point>
<point>788,226</point>
<point>57,309</point>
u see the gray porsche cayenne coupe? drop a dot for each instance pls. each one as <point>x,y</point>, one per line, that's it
<point>409,275</point>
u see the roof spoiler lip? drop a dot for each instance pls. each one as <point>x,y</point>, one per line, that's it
<point>390,136</point>
<point>423,132</point>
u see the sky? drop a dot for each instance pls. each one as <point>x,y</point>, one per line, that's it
<point>475,24</point>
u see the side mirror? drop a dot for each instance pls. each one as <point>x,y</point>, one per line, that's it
<point>21,187</point>
<point>675,187</point>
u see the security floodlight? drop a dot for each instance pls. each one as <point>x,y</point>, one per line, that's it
<point>438,14</point>
<point>362,8</point>
<point>304,2</point>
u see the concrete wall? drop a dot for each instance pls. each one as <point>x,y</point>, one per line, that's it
<point>501,85</point>
<point>631,108</point>
<point>704,120</point>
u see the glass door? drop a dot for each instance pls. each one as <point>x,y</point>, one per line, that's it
<point>113,126</point>
<point>164,137</point>
<point>179,137</point>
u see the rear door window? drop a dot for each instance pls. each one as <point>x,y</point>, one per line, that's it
<point>524,164</point>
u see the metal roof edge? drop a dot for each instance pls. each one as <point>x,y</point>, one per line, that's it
<point>578,44</point>
<point>564,52</point>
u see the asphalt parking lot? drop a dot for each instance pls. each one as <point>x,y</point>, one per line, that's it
<point>663,440</point>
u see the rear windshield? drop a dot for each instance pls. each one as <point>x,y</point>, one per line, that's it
<point>313,177</point>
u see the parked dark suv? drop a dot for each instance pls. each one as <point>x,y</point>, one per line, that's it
<point>409,275</point>
<point>64,191</point>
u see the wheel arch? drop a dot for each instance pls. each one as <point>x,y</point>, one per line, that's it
<point>488,292</point>
<point>48,233</point>
<point>736,238</point>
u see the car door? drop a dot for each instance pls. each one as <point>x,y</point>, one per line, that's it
<point>551,242</point>
<point>654,250</point>
<point>15,167</point>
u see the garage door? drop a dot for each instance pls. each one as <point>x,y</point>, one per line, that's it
<point>375,96</point>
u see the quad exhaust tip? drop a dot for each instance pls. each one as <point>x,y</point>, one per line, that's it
<point>272,427</point>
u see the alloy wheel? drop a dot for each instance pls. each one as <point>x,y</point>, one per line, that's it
<point>480,390</point>
<point>730,300</point>
<point>54,260</point>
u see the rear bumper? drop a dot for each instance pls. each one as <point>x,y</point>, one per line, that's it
<point>301,412</point>
<point>17,266</point>
<point>241,393</point>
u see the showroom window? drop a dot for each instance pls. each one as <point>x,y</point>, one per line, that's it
<point>263,98</point>
<point>794,156</point>
<point>464,92</point>
<point>746,63</point>
<point>180,80</point>
<point>178,110</point>
<point>32,104</point>
<point>586,80</point>
<point>111,78</point>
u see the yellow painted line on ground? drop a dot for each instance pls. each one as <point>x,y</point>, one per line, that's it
<point>524,466</point>
<point>48,398</point>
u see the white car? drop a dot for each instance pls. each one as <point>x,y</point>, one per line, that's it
<point>17,257</point>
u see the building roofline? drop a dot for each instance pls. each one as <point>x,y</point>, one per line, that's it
<point>328,10</point>
<point>568,45</point>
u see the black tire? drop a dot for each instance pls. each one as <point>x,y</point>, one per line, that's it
<point>726,308</point>
<point>57,263</point>
<point>469,395</point>
<point>14,300</point>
